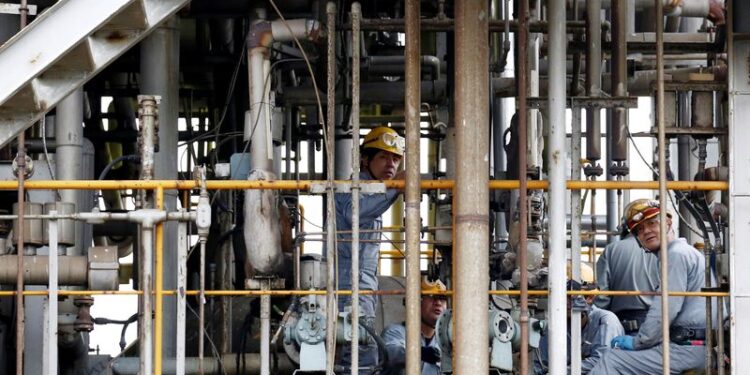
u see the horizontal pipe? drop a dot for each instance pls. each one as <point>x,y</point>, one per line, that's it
<point>306,184</point>
<point>72,270</point>
<point>227,365</point>
<point>286,293</point>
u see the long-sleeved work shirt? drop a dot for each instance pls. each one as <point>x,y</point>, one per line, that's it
<point>624,265</point>
<point>602,326</point>
<point>686,269</point>
<point>395,345</point>
<point>371,208</point>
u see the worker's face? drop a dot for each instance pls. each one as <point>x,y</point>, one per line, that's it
<point>383,165</point>
<point>648,234</point>
<point>432,307</point>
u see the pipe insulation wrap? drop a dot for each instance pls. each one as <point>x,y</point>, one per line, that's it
<point>261,227</point>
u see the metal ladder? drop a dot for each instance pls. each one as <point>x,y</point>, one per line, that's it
<point>66,46</point>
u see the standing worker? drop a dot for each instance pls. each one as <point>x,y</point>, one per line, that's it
<point>381,153</point>
<point>432,306</point>
<point>642,354</point>
<point>625,266</point>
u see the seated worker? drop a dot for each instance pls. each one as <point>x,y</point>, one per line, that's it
<point>625,266</point>
<point>642,354</point>
<point>598,328</point>
<point>381,152</point>
<point>395,334</point>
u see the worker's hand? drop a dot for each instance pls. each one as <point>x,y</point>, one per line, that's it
<point>430,354</point>
<point>622,342</point>
<point>716,12</point>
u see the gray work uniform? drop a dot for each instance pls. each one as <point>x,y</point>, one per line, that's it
<point>371,207</point>
<point>624,265</point>
<point>602,326</point>
<point>395,345</point>
<point>686,267</point>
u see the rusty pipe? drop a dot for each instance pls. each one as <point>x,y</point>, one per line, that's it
<point>330,125</point>
<point>356,17</point>
<point>471,194</point>
<point>21,161</point>
<point>412,193</point>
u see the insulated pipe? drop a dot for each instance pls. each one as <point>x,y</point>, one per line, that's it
<point>331,300</point>
<point>522,74</point>
<point>662,144</point>
<point>69,154</point>
<point>412,194</point>
<point>593,77</point>
<point>73,270</point>
<point>682,8</point>
<point>356,17</point>
<point>145,322</point>
<point>557,192</point>
<point>471,195</point>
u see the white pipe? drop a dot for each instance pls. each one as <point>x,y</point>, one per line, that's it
<point>69,153</point>
<point>265,331</point>
<point>182,244</point>
<point>557,190</point>
<point>49,365</point>
<point>683,8</point>
<point>145,322</point>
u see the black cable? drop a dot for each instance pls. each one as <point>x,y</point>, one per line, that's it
<point>125,323</point>
<point>381,345</point>
<point>122,158</point>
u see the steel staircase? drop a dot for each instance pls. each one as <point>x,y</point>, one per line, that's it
<point>63,48</point>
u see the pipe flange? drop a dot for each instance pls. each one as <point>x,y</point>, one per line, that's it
<point>502,326</point>
<point>28,167</point>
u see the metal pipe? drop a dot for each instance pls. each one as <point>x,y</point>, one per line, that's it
<point>557,192</point>
<point>226,364</point>
<point>593,78</point>
<point>69,152</point>
<point>412,194</point>
<point>575,237</point>
<point>662,145</point>
<point>356,17</point>
<point>307,184</point>
<point>619,86</point>
<point>21,162</point>
<point>159,297</point>
<point>49,363</point>
<point>331,301</point>
<point>522,72</point>
<point>265,329</point>
<point>182,250</point>
<point>72,270</point>
<point>145,322</point>
<point>471,195</point>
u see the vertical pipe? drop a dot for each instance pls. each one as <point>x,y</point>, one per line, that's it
<point>356,17</point>
<point>160,75</point>
<point>331,300</point>
<point>181,297</point>
<point>202,307</point>
<point>265,329</point>
<point>145,323</point>
<point>619,78</point>
<point>557,189</point>
<point>662,144</point>
<point>522,72</point>
<point>21,161</point>
<point>69,153</point>
<point>412,193</point>
<point>720,334</point>
<point>575,238</point>
<point>593,78</point>
<point>471,192</point>
<point>159,287</point>
<point>50,341</point>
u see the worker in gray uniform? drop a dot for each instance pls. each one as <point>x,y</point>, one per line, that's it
<point>642,354</point>
<point>625,266</point>
<point>598,328</point>
<point>381,153</point>
<point>432,305</point>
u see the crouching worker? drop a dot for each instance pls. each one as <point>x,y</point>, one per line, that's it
<point>394,335</point>
<point>642,354</point>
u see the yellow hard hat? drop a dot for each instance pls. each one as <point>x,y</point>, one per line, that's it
<point>386,139</point>
<point>432,287</point>
<point>639,211</point>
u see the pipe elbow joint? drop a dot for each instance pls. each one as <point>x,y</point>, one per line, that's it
<point>260,35</point>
